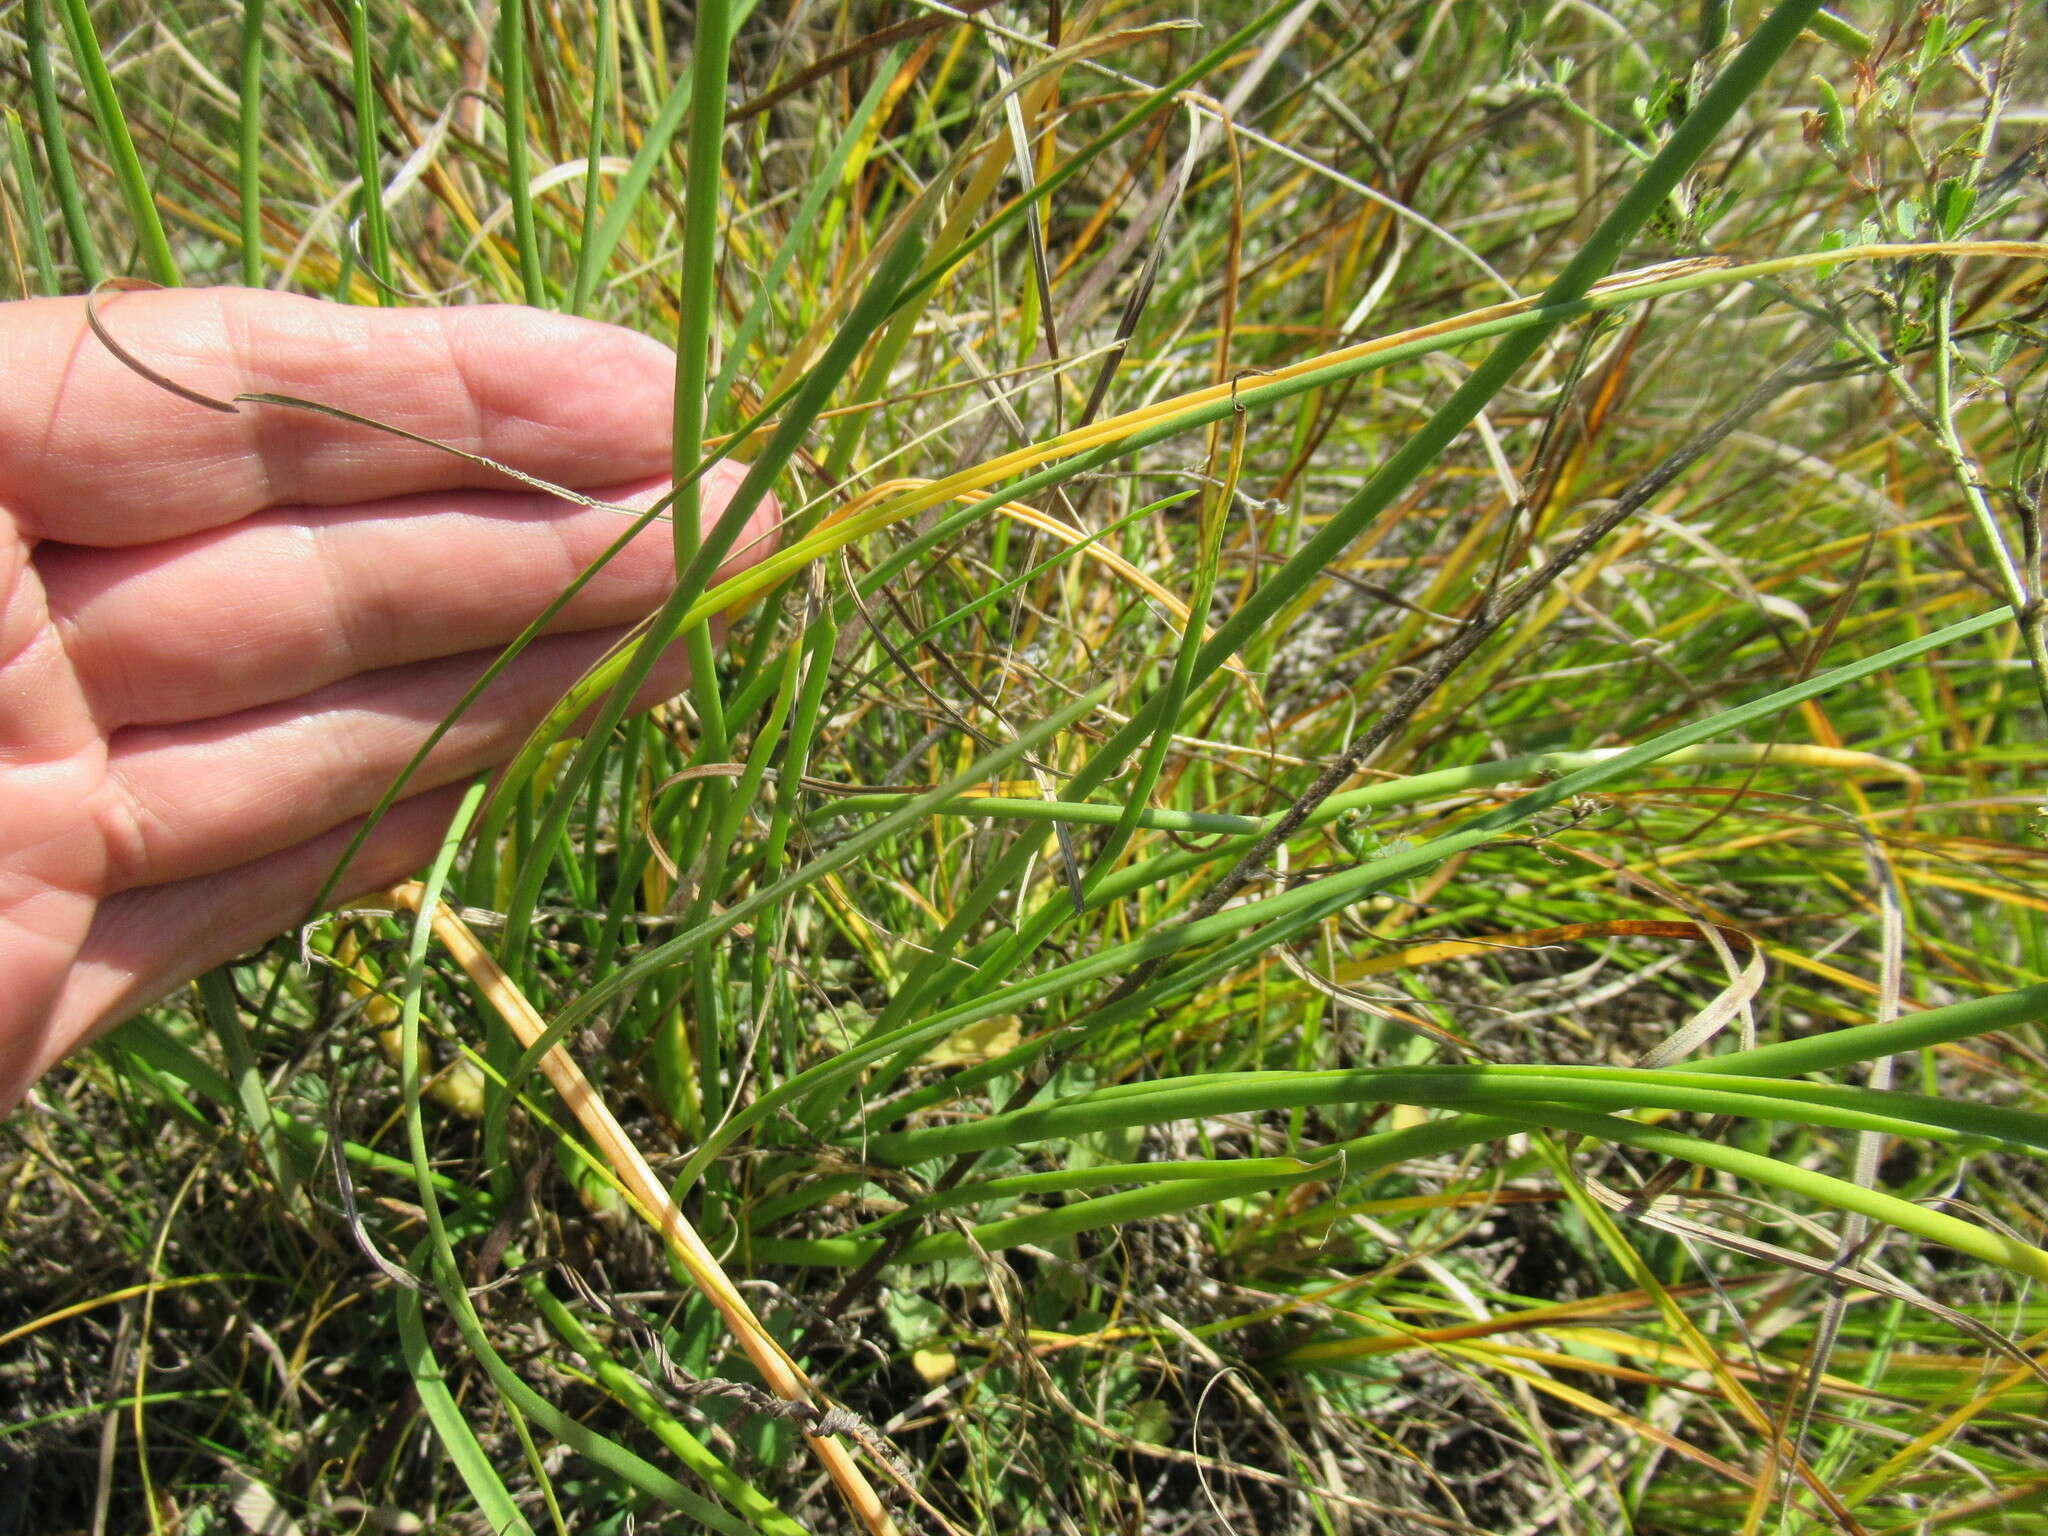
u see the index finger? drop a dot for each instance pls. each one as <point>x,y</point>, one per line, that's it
<point>93,453</point>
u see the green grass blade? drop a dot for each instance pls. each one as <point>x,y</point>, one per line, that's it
<point>821,187</point>
<point>758,1511</point>
<point>630,195</point>
<point>31,206</point>
<point>223,1012</point>
<point>512,72</point>
<point>56,142</point>
<point>249,138</point>
<point>601,88</point>
<point>493,1499</point>
<point>376,225</point>
<point>120,146</point>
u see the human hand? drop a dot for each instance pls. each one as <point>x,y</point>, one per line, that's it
<point>222,636</point>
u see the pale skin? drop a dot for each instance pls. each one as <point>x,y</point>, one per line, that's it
<point>222,636</point>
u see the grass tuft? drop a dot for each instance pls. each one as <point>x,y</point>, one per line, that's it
<point>1371,859</point>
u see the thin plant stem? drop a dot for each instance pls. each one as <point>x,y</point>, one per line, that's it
<point>56,142</point>
<point>249,127</point>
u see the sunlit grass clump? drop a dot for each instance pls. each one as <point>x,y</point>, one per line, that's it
<point>1371,858</point>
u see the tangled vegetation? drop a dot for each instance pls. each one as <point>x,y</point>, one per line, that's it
<point>1371,860</point>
